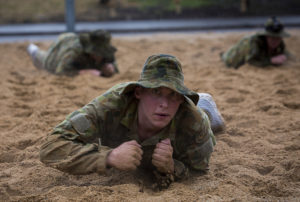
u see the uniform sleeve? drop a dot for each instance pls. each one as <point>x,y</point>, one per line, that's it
<point>65,64</point>
<point>62,53</point>
<point>236,55</point>
<point>72,147</point>
<point>198,154</point>
<point>285,51</point>
<point>195,147</point>
<point>255,57</point>
<point>116,67</point>
<point>260,61</point>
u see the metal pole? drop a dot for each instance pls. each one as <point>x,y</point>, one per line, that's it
<point>70,15</point>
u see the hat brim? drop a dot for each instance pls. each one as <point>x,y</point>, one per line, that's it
<point>101,51</point>
<point>282,34</point>
<point>188,94</point>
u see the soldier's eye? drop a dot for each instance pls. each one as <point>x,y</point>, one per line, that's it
<point>156,91</point>
<point>175,96</point>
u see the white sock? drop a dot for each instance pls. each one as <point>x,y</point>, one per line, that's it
<point>31,49</point>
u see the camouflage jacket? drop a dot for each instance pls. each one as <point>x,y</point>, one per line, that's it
<point>252,49</point>
<point>80,144</point>
<point>66,56</point>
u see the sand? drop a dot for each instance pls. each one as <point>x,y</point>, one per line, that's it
<point>257,158</point>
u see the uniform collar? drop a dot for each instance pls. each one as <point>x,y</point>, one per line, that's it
<point>167,132</point>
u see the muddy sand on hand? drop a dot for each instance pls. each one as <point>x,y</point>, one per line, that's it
<point>256,159</point>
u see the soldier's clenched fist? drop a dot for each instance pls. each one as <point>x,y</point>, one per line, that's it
<point>162,156</point>
<point>127,156</point>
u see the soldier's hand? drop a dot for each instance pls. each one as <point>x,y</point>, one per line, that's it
<point>162,156</point>
<point>108,70</point>
<point>127,156</point>
<point>94,72</point>
<point>279,59</point>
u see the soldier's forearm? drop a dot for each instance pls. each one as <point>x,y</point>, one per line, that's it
<point>72,157</point>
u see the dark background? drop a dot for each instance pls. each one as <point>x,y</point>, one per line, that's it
<point>37,11</point>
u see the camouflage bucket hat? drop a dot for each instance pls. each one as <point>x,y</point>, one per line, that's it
<point>97,43</point>
<point>273,27</point>
<point>165,71</point>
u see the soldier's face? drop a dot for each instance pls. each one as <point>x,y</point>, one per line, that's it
<point>157,106</point>
<point>273,42</point>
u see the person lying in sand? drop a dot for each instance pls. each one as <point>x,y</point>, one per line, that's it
<point>261,49</point>
<point>155,123</point>
<point>73,54</point>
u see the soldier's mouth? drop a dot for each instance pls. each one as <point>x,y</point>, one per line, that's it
<point>162,114</point>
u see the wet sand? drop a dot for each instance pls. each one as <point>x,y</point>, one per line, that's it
<point>256,159</point>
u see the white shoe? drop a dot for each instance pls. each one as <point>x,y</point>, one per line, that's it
<point>32,50</point>
<point>207,104</point>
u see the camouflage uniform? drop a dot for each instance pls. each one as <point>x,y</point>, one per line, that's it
<point>80,144</point>
<point>254,49</point>
<point>71,53</point>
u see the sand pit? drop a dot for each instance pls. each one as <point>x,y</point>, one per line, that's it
<point>256,159</point>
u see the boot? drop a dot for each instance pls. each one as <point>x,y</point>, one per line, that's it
<point>209,106</point>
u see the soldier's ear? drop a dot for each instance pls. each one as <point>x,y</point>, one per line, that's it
<point>138,92</point>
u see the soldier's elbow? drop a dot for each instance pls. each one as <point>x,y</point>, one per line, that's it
<point>51,151</point>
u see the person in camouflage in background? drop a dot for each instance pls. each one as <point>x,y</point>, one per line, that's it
<point>261,49</point>
<point>71,54</point>
<point>153,123</point>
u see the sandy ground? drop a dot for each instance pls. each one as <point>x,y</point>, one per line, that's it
<point>256,159</point>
